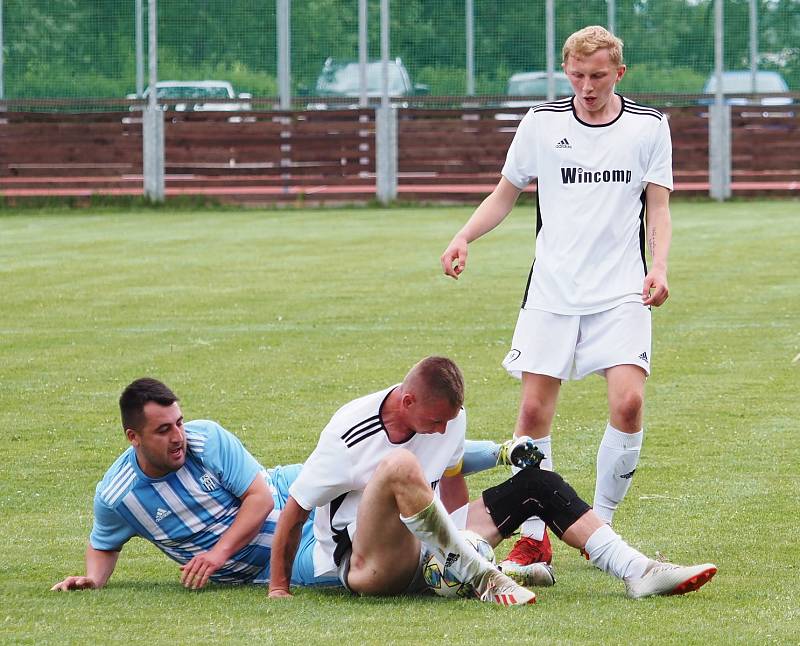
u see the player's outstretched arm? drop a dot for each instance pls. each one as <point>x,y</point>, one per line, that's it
<point>256,505</point>
<point>100,566</point>
<point>655,289</point>
<point>284,548</point>
<point>487,216</point>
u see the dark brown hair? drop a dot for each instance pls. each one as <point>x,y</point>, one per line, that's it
<point>137,394</point>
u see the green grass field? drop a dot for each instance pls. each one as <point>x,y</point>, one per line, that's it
<point>268,321</point>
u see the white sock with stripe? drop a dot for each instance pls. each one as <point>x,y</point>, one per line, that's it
<point>434,527</point>
<point>617,459</point>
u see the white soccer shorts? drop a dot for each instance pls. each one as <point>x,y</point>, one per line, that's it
<point>573,346</point>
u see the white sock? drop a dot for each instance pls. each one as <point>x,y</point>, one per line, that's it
<point>534,526</point>
<point>434,527</point>
<point>610,553</point>
<point>617,459</point>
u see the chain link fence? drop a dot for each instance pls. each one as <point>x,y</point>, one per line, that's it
<point>86,50</point>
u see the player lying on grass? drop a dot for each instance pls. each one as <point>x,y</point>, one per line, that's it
<point>377,480</point>
<point>196,493</point>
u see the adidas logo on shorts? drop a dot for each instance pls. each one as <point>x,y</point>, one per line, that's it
<point>643,356</point>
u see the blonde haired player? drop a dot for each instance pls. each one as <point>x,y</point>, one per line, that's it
<point>604,169</point>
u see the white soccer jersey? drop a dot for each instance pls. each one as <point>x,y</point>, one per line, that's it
<point>348,452</point>
<point>590,251</point>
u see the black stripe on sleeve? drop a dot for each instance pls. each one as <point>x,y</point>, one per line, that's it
<point>649,112</point>
<point>367,433</point>
<point>360,426</point>
<point>547,108</point>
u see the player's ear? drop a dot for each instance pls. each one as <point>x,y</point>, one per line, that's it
<point>621,72</point>
<point>133,436</point>
<point>408,399</point>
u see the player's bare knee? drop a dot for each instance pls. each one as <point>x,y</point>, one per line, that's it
<point>534,414</point>
<point>627,407</point>
<point>400,466</point>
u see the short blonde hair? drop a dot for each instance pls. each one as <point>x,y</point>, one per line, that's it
<point>591,39</point>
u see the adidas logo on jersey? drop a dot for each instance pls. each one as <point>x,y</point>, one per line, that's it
<point>643,356</point>
<point>563,143</point>
<point>452,557</point>
<point>161,514</point>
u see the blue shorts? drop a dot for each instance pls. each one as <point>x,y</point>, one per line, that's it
<point>303,569</point>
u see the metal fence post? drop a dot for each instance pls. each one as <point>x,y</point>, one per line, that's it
<point>753,45</point>
<point>139,38</point>
<point>719,151</point>
<point>719,120</point>
<point>363,53</point>
<point>153,120</point>
<point>384,53</point>
<point>284,54</point>
<point>153,153</point>
<point>386,153</point>
<point>611,13</point>
<point>550,43</point>
<point>470,29</point>
<point>2,62</point>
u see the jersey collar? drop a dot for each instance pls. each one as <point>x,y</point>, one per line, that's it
<point>599,125</point>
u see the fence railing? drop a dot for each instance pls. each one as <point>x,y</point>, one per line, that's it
<point>323,156</point>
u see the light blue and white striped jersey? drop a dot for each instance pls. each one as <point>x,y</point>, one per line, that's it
<point>185,512</point>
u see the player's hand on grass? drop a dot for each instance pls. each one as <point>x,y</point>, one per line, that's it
<point>655,290</point>
<point>454,258</point>
<point>74,583</point>
<point>195,573</point>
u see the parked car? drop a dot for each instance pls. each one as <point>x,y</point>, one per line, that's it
<point>342,79</point>
<point>198,96</point>
<point>534,86</point>
<point>739,84</point>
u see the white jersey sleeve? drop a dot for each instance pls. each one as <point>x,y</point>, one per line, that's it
<point>521,160</point>
<point>658,170</point>
<point>326,473</point>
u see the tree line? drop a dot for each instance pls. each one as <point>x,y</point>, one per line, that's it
<point>86,48</point>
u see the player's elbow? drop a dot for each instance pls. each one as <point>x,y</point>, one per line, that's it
<point>265,505</point>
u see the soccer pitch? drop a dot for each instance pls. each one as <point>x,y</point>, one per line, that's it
<point>268,321</point>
